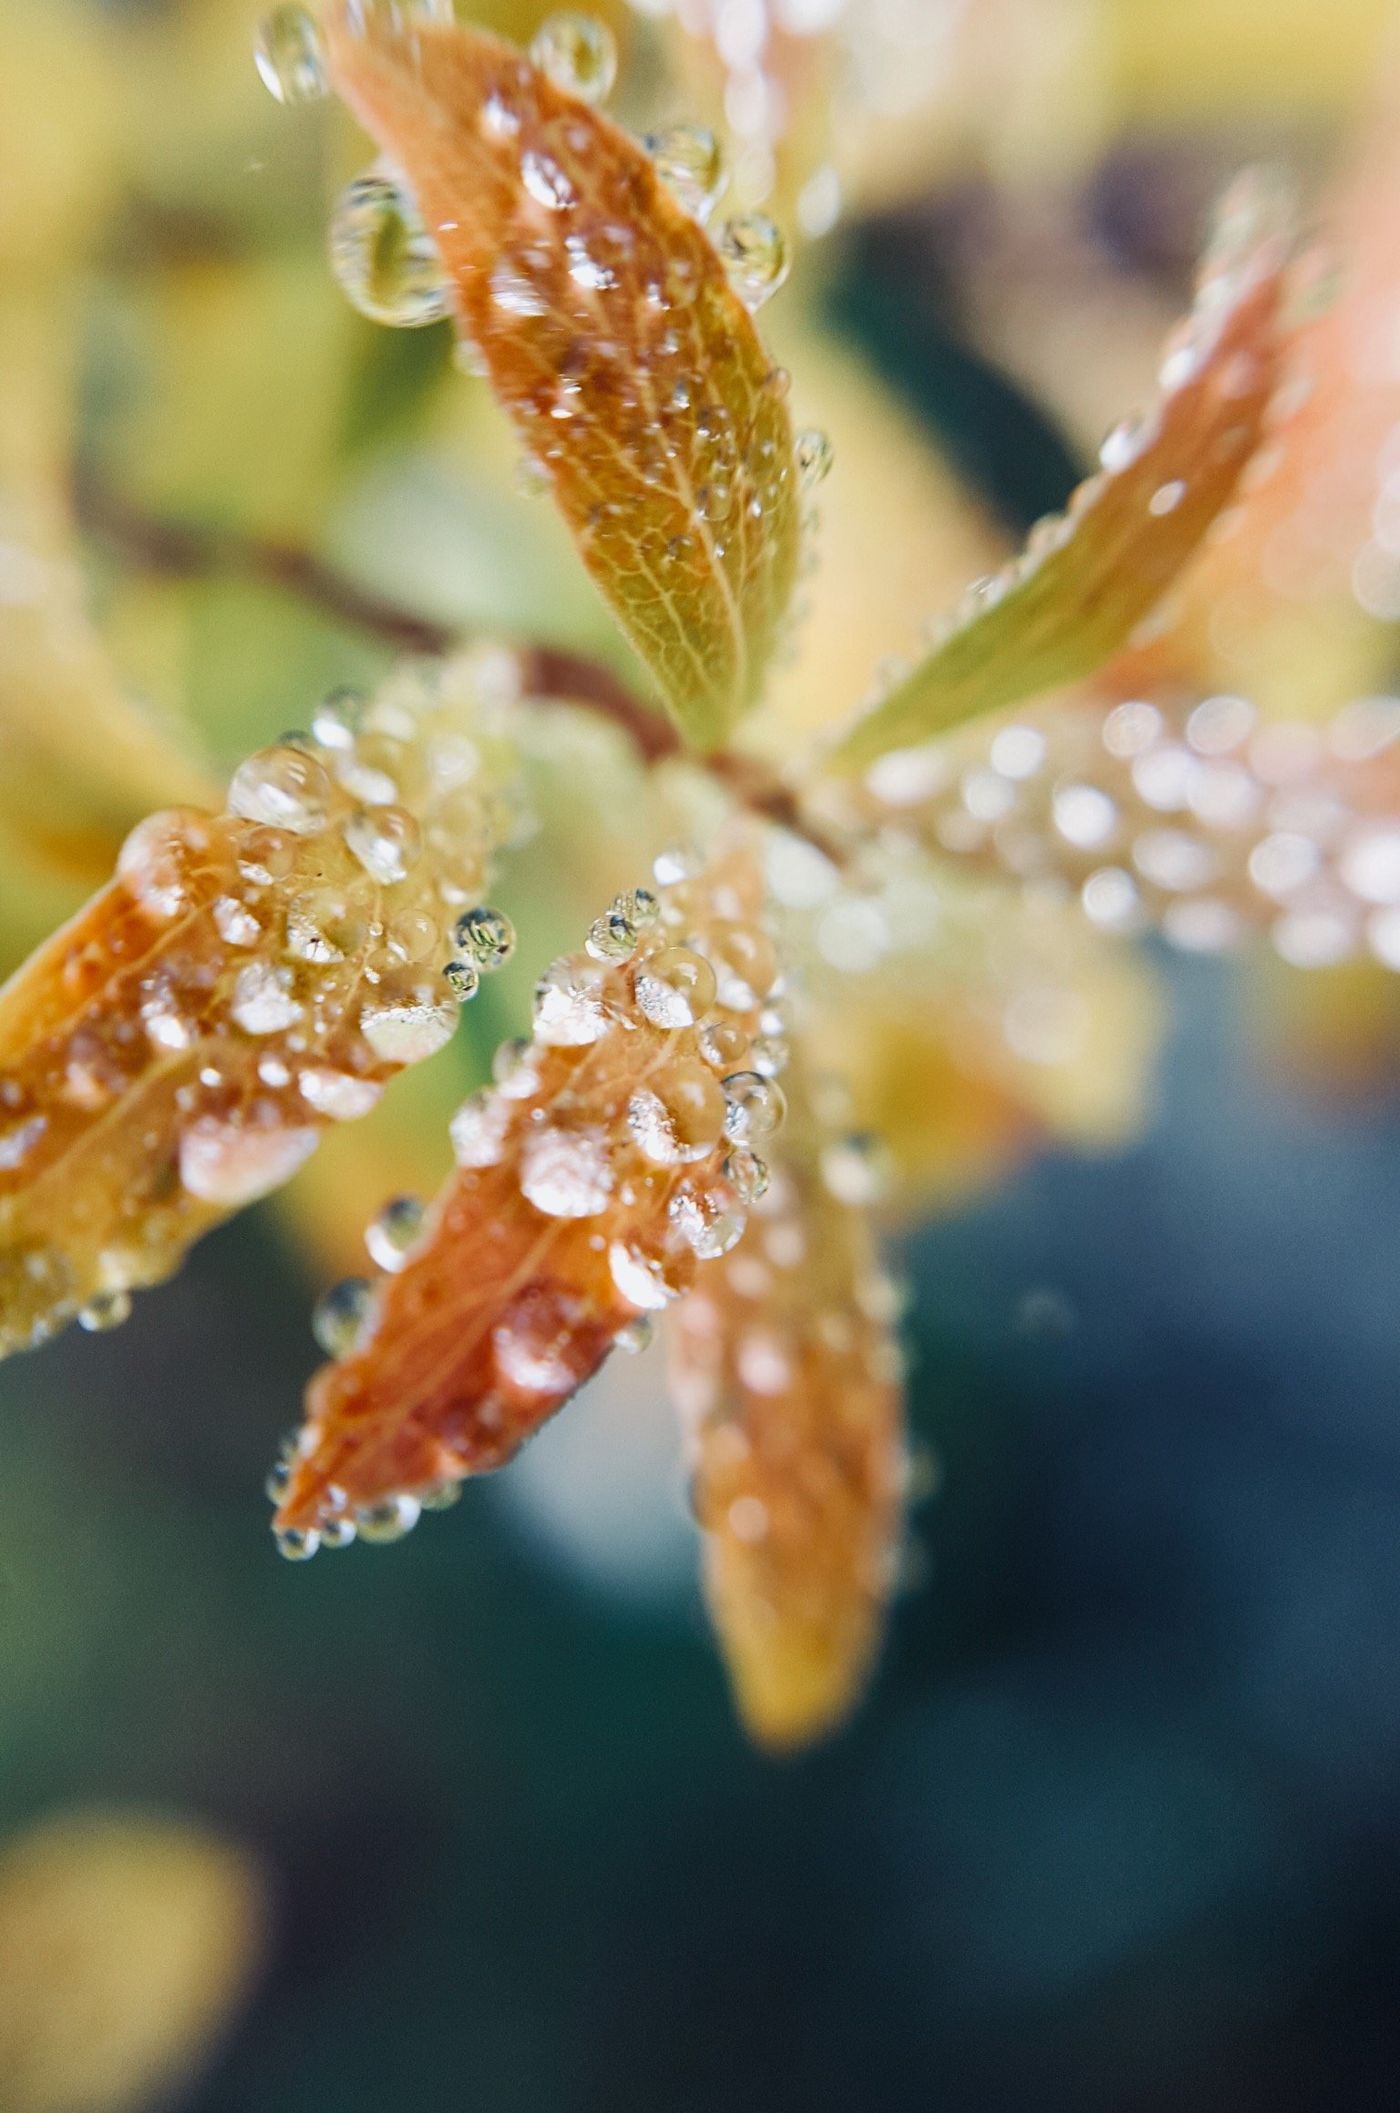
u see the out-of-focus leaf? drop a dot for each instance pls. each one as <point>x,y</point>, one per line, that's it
<point>630,367</point>
<point>784,1361</point>
<point>174,1053</point>
<point>589,1181</point>
<point>1087,581</point>
<point>126,1944</point>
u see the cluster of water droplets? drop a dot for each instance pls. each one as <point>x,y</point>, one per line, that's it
<point>635,1120</point>
<point>254,976</point>
<point>1201,820</point>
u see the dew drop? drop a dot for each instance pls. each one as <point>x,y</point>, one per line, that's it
<point>570,1005</point>
<point>108,1310</point>
<point>857,1169</point>
<point>680,1118</point>
<point>284,788</point>
<point>383,257</point>
<point>723,1045</point>
<point>690,162</point>
<point>343,1317</point>
<point>478,1130</point>
<point>567,1173</point>
<point>410,1029</point>
<point>387,842</point>
<point>290,56</point>
<point>156,862</point>
<point>675,988</point>
<point>709,1217</point>
<point>755,256</point>
<point>338,1095</point>
<point>815,457</point>
<point>746,1174</point>
<point>392,1236</point>
<point>463,979</point>
<point>578,53</point>
<point>262,999</point>
<point>756,1106</point>
<point>646,1281</point>
<point>486,938</point>
<point>388,1521</point>
<point>296,1546</point>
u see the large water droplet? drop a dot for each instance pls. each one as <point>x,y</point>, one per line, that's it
<point>680,1117</point>
<point>386,840</point>
<point>290,55</point>
<point>283,787</point>
<point>579,54</point>
<point>709,1217</point>
<point>567,1173</point>
<point>384,258</point>
<point>486,938</point>
<point>675,988</point>
<point>756,1107</point>
<point>690,162</point>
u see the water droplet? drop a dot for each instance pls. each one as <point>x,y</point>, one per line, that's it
<point>745,963</point>
<point>393,1235</point>
<point>386,840</point>
<point>156,862</point>
<point>746,1174</point>
<point>383,257</point>
<point>570,1005</point>
<point>290,55</point>
<point>578,53</point>
<point>647,1281</point>
<point>567,1173</point>
<point>709,1217</point>
<point>770,1056</point>
<point>262,1000</point>
<point>234,1163</point>
<point>478,1130</point>
<point>690,162</point>
<point>515,1068</point>
<point>723,1045</point>
<point>237,926</point>
<point>337,1094</point>
<point>343,1317</point>
<point>486,937</point>
<point>108,1310</point>
<point>678,864</point>
<point>337,1533</point>
<point>339,718</point>
<point>542,1344</point>
<point>294,1546</point>
<point>815,457</point>
<point>857,1169</point>
<point>283,787</point>
<point>756,1107</point>
<point>675,988</point>
<point>463,979</point>
<point>388,1521</point>
<point>408,1029</point>
<point>546,183</point>
<point>612,937</point>
<point>754,255</point>
<point>680,1118</point>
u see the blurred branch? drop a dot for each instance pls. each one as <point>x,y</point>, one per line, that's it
<point>190,550</point>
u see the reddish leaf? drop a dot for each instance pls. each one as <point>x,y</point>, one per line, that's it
<point>579,1204</point>
<point>174,1052</point>
<point>611,334</point>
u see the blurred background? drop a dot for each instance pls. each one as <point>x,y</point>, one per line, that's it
<point>469,1823</point>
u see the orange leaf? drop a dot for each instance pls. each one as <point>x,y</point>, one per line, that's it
<point>611,334</point>
<point>589,1180</point>
<point>786,1363</point>
<point>174,1052</point>
<point>1086,581</point>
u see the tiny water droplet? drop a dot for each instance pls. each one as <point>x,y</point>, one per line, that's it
<point>383,1523</point>
<point>386,840</point>
<point>343,1315</point>
<point>675,988</point>
<point>391,1237</point>
<point>108,1310</point>
<point>815,456</point>
<point>294,1546</point>
<point>756,1106</point>
<point>463,979</point>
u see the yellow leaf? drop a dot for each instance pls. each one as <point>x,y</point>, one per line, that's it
<point>1087,581</point>
<point>785,1363</point>
<point>602,311</point>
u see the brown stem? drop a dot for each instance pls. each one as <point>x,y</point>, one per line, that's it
<point>185,550</point>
